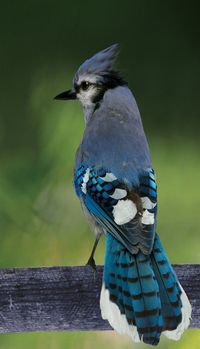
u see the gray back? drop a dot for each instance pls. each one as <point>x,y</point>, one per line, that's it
<point>114,137</point>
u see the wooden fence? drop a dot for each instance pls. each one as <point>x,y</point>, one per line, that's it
<point>67,298</point>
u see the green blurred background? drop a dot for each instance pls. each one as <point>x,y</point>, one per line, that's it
<point>42,44</point>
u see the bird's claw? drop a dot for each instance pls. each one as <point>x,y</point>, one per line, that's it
<point>91,263</point>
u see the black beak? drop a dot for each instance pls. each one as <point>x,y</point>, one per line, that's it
<point>67,95</point>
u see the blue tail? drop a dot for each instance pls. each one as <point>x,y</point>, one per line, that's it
<point>145,290</point>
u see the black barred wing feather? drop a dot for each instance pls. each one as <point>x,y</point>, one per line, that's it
<point>129,215</point>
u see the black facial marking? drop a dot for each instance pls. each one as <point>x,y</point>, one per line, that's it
<point>85,85</point>
<point>76,87</point>
<point>97,105</point>
<point>114,79</point>
<point>110,80</point>
<point>99,95</point>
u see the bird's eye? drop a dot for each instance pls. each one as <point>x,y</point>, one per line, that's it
<point>85,85</point>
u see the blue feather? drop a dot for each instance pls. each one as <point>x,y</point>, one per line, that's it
<point>142,289</point>
<point>132,286</point>
<point>137,273</point>
<point>117,188</point>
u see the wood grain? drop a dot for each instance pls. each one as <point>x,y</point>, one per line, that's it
<point>67,298</point>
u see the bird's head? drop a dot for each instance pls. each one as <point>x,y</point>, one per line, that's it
<point>93,78</point>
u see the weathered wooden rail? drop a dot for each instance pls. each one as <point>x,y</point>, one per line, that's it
<point>67,298</point>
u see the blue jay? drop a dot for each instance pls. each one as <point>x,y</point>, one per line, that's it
<point>114,180</point>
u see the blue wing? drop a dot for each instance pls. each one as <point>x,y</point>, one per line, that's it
<point>144,288</point>
<point>129,215</point>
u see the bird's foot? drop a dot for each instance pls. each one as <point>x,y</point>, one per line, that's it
<point>91,263</point>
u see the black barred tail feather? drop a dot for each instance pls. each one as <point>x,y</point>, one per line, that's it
<point>176,308</point>
<point>141,295</point>
<point>130,284</point>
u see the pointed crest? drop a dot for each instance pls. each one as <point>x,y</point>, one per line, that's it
<point>99,64</point>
